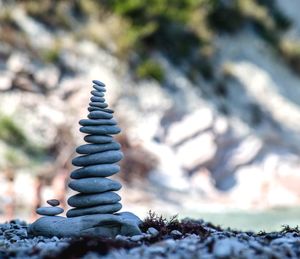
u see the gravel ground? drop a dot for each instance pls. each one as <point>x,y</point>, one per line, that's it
<point>191,239</point>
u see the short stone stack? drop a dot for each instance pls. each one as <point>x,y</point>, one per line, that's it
<point>98,158</point>
<point>50,211</point>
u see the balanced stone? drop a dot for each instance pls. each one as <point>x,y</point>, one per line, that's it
<point>99,115</point>
<point>99,88</point>
<point>96,93</point>
<point>94,148</point>
<point>98,139</point>
<point>94,185</point>
<point>102,170</point>
<point>93,108</point>
<point>105,225</point>
<point>49,211</point>
<point>98,105</point>
<point>53,202</point>
<point>101,209</point>
<point>88,122</point>
<point>106,157</point>
<point>97,99</point>
<point>103,129</point>
<point>97,82</point>
<point>89,200</point>
<point>106,110</point>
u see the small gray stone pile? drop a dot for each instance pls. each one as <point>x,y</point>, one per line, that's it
<point>15,242</point>
<point>50,211</point>
<point>97,161</point>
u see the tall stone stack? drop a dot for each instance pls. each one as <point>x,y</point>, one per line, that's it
<point>96,203</point>
<point>97,161</point>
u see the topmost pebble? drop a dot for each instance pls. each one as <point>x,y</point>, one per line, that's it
<point>97,82</point>
<point>53,202</point>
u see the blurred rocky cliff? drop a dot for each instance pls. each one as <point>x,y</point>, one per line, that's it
<point>207,94</point>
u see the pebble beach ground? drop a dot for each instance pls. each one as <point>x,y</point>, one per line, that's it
<point>160,239</point>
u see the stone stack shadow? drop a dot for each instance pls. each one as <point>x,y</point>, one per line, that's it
<point>97,161</point>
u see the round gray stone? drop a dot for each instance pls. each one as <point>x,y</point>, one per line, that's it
<point>94,185</point>
<point>106,157</point>
<point>97,93</point>
<point>100,129</point>
<point>102,170</point>
<point>101,209</point>
<point>103,225</point>
<point>95,148</point>
<point>97,82</point>
<point>88,200</point>
<point>98,105</point>
<point>106,110</point>
<point>88,122</point>
<point>98,139</point>
<point>53,202</point>
<point>49,211</point>
<point>99,88</point>
<point>97,99</point>
<point>99,115</point>
<point>91,109</point>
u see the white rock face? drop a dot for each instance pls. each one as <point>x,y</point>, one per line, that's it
<point>197,150</point>
<point>33,29</point>
<point>180,122</point>
<point>5,80</point>
<point>190,125</point>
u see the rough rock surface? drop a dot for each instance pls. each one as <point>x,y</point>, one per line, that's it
<point>245,106</point>
<point>16,242</point>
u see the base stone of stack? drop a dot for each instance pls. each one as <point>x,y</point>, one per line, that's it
<point>104,225</point>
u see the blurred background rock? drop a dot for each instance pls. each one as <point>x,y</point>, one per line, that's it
<point>207,93</point>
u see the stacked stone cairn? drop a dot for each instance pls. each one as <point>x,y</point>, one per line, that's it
<point>96,204</point>
<point>97,161</point>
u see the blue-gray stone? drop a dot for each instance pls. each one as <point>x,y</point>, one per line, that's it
<point>99,88</point>
<point>98,105</point>
<point>101,209</point>
<point>107,110</point>
<point>106,157</point>
<point>104,225</point>
<point>49,211</point>
<point>94,185</point>
<point>98,139</point>
<point>97,99</point>
<point>93,108</point>
<point>102,129</point>
<point>97,82</point>
<point>88,122</point>
<point>99,115</point>
<point>95,148</point>
<point>97,93</point>
<point>102,170</point>
<point>89,200</point>
<point>53,202</point>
